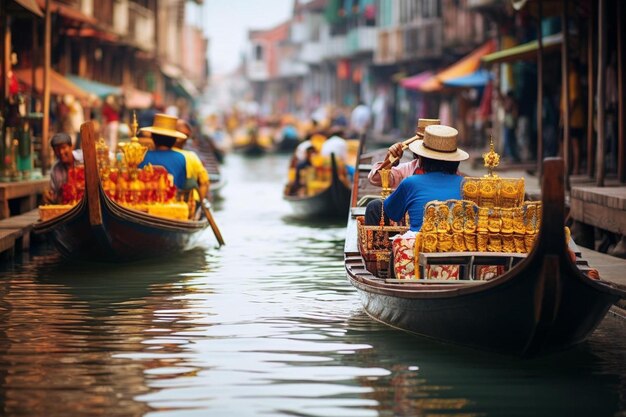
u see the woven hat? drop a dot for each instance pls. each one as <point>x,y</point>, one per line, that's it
<point>439,143</point>
<point>165,125</point>
<point>422,123</point>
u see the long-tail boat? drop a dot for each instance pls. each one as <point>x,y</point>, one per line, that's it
<point>544,300</point>
<point>98,228</point>
<point>331,201</point>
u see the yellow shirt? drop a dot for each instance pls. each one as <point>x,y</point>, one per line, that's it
<point>195,169</point>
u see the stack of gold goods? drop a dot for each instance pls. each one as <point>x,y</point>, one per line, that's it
<point>491,217</point>
<point>149,189</point>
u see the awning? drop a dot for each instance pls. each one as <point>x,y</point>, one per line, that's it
<point>95,87</point>
<point>465,66</point>
<point>189,87</point>
<point>476,79</point>
<point>171,71</point>
<point>415,81</point>
<point>31,6</point>
<point>137,99</point>
<point>524,51</point>
<point>86,32</point>
<point>59,85</point>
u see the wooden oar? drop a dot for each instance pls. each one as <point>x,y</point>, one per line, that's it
<point>405,144</point>
<point>206,208</point>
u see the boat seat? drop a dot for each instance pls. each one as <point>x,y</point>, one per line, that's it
<point>471,263</point>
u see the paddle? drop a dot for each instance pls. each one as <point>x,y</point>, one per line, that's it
<point>206,208</point>
<point>392,159</point>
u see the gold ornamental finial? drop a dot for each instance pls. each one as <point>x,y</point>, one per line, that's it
<point>491,158</point>
<point>134,151</point>
<point>134,128</point>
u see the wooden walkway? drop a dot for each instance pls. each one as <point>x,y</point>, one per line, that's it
<point>15,232</point>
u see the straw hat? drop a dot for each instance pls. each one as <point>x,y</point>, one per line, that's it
<point>422,123</point>
<point>165,125</point>
<point>439,143</point>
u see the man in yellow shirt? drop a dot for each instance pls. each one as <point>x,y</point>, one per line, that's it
<point>197,175</point>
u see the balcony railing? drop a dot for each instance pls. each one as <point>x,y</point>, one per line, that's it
<point>311,53</point>
<point>290,68</point>
<point>389,46</point>
<point>361,39</point>
<point>257,71</point>
<point>423,40</point>
<point>141,26</point>
<point>336,47</point>
<point>120,17</point>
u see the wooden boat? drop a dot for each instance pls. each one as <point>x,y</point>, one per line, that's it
<point>332,201</point>
<point>98,228</point>
<point>544,303</point>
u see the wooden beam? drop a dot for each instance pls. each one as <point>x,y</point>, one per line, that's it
<point>565,88</point>
<point>600,91</point>
<point>590,92</point>
<point>34,62</point>
<point>45,148</point>
<point>621,146</point>
<point>539,93</point>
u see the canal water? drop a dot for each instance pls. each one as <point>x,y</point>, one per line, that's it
<point>265,326</point>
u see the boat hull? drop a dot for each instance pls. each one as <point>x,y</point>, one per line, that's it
<point>500,318</point>
<point>124,235</point>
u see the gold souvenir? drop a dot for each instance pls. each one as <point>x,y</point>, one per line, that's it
<point>458,217</point>
<point>482,239</point>
<point>494,222</point>
<point>495,243</point>
<point>444,230</point>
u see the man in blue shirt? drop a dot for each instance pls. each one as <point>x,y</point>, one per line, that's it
<point>439,158</point>
<point>164,135</point>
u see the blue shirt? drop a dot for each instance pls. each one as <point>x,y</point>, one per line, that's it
<point>172,161</point>
<point>415,191</point>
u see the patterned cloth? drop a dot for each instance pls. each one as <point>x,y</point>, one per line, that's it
<point>405,262</point>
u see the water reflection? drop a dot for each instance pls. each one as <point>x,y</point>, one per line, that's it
<point>267,325</point>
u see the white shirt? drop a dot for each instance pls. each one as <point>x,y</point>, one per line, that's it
<point>335,145</point>
<point>360,117</point>
<point>301,150</point>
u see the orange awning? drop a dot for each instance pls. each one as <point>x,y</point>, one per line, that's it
<point>467,65</point>
<point>59,85</point>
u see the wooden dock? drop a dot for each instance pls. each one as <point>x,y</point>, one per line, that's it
<point>15,232</point>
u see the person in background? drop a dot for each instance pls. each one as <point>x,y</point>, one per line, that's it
<point>360,119</point>
<point>197,175</point>
<point>511,114</point>
<point>164,135</point>
<point>336,144</point>
<point>67,157</point>
<point>111,119</point>
<point>306,162</point>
